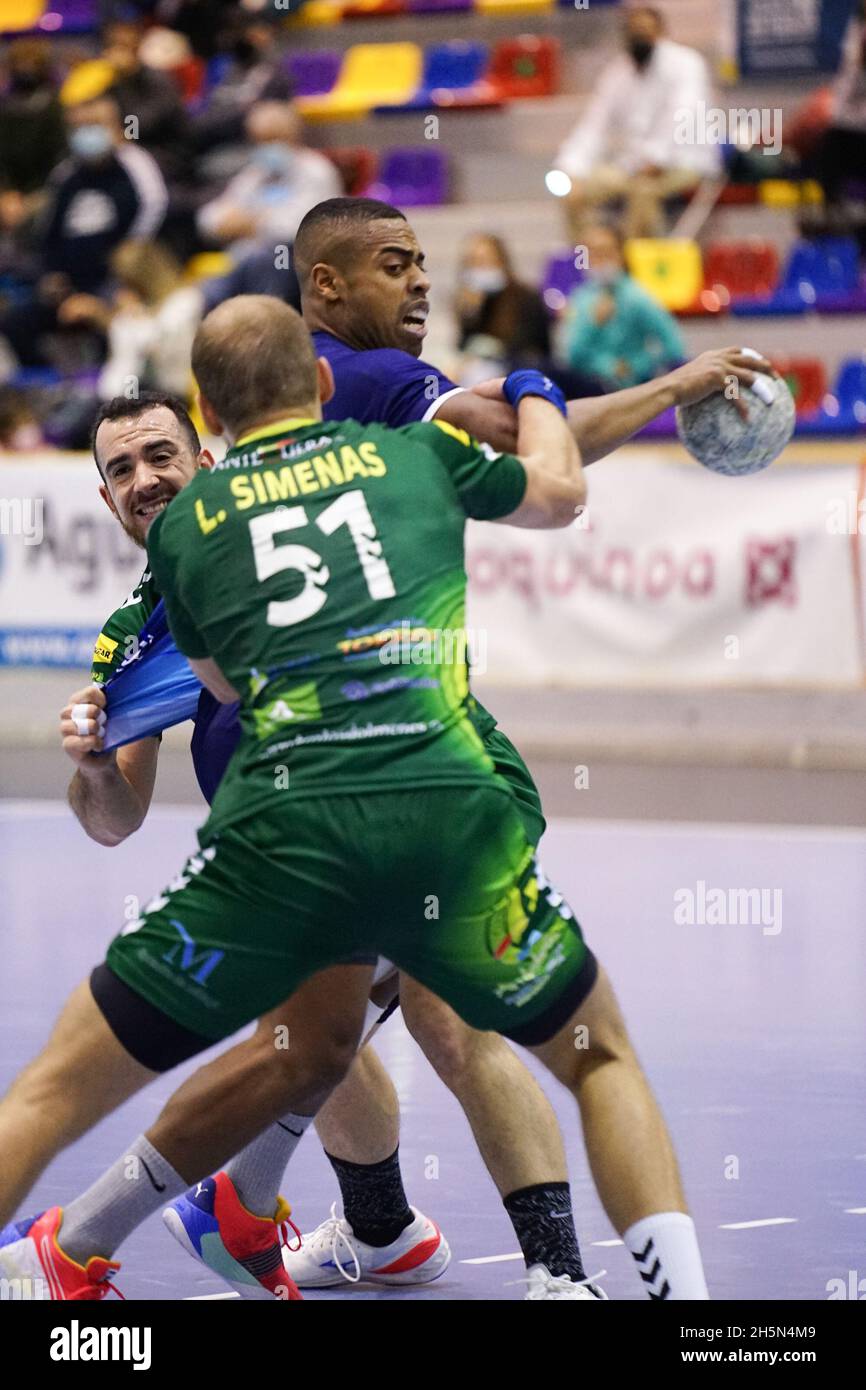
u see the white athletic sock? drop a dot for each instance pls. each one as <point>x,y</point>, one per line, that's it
<point>258,1170</point>
<point>665,1248</point>
<point>133,1188</point>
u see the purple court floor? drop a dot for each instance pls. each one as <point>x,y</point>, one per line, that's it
<point>753,1033</point>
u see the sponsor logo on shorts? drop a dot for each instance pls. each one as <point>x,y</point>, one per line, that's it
<point>528,931</point>
<point>198,964</point>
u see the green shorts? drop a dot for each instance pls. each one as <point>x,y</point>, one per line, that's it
<point>443,881</point>
<point>510,765</point>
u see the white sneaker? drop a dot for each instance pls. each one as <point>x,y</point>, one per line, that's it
<point>332,1253</point>
<point>543,1284</point>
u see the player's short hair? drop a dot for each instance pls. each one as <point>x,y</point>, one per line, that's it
<point>253,356</point>
<point>126,408</point>
<point>331,223</point>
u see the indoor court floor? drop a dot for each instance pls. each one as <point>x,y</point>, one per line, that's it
<point>753,1035</point>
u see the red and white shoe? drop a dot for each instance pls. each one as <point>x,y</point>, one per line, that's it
<point>33,1267</point>
<point>332,1253</point>
<point>213,1225</point>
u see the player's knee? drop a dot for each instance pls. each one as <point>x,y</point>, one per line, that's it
<point>449,1046</point>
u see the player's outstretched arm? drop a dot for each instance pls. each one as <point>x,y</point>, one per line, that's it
<point>602,423</point>
<point>110,793</point>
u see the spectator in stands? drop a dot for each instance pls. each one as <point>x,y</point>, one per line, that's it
<point>150,321</point>
<point>255,74</point>
<point>263,204</point>
<point>627,147</point>
<point>108,190</point>
<point>151,97</point>
<point>201,21</point>
<point>613,328</point>
<point>32,137</point>
<point>20,430</point>
<point>841,154</point>
<point>492,303</point>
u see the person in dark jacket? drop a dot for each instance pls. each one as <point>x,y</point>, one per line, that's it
<point>110,190</point>
<point>150,96</point>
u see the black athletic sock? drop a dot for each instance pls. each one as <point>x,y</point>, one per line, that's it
<point>374,1203</point>
<point>544,1225</point>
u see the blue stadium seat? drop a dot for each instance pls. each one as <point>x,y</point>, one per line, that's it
<point>559,279</point>
<point>451,73</point>
<point>820,276</point>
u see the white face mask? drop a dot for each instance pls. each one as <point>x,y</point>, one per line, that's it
<point>604,275</point>
<point>484,281</point>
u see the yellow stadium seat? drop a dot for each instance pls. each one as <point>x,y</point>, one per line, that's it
<point>87,81</point>
<point>206,265</point>
<point>783,193</point>
<point>373,74</point>
<point>20,14</point>
<point>320,12</point>
<point>671,270</point>
<point>502,7</point>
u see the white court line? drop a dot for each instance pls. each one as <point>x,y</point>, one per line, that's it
<point>18,808</point>
<point>856,1211</point>
<point>492,1259</point>
<point>768,1221</point>
<point>208,1297</point>
<point>605,1242</point>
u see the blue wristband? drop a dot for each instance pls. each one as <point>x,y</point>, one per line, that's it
<point>528,382</point>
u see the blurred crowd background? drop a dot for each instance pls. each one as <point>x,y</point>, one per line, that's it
<point>158,155</point>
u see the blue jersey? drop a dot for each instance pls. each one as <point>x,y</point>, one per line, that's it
<point>383,386</point>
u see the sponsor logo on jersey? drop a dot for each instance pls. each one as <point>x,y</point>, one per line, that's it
<point>286,708</point>
<point>104,650</point>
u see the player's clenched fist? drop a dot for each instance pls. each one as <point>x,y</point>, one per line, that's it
<point>82,723</point>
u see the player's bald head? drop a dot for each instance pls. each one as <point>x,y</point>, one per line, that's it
<point>334,230</point>
<point>252,358</point>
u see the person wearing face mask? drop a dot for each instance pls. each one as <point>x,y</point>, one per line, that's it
<point>153,96</point>
<point>612,327</point>
<point>629,146</point>
<point>108,191</point>
<point>254,74</point>
<point>492,303</point>
<point>262,206</point>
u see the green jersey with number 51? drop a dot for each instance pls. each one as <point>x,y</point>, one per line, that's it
<point>321,566</point>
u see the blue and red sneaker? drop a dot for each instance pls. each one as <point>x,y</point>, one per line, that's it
<point>33,1266</point>
<point>213,1225</point>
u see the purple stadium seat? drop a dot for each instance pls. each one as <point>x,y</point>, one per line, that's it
<point>412,178</point>
<point>560,278</point>
<point>438,6</point>
<point>314,72</point>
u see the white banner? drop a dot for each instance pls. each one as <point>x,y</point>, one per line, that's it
<point>674,576</point>
<point>678,577</point>
<point>65,563</point>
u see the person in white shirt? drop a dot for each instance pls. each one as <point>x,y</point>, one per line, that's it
<point>265,202</point>
<point>636,141</point>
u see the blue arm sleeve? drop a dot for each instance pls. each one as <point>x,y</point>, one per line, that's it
<point>152,690</point>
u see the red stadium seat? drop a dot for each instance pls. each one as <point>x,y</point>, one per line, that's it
<point>357,165</point>
<point>524,67</point>
<point>742,267</point>
<point>807,379</point>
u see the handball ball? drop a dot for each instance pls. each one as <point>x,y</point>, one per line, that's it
<point>716,435</point>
